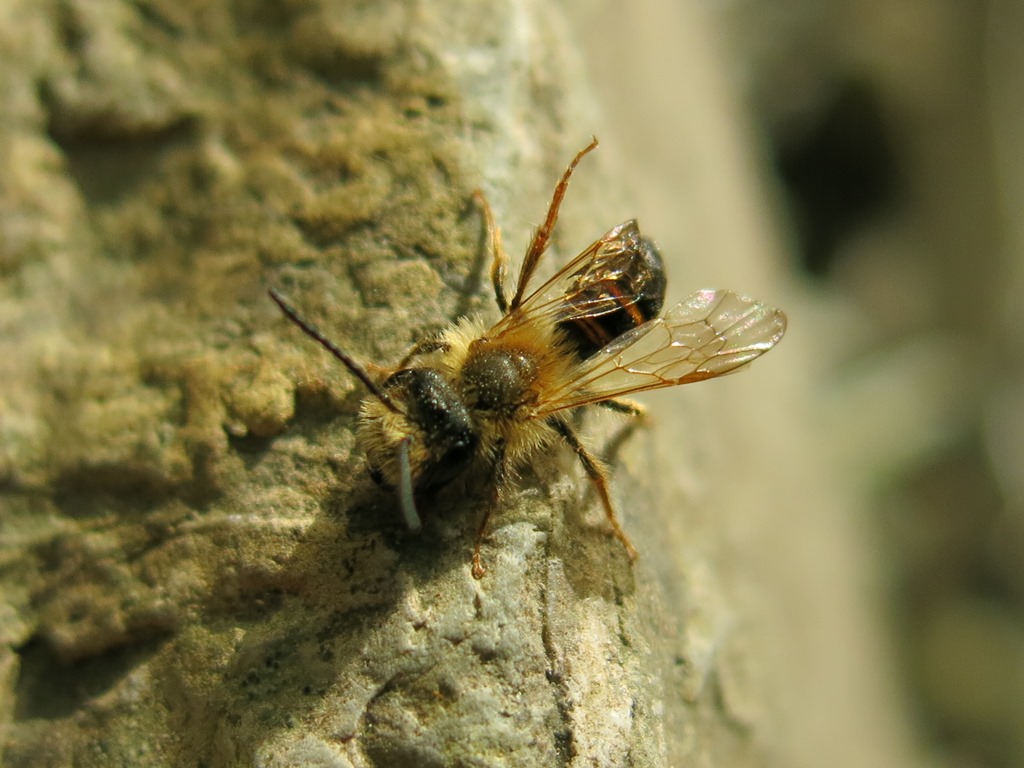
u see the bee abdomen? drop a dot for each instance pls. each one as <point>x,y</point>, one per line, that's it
<point>638,294</point>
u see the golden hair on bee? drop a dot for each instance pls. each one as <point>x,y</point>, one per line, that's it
<point>479,399</point>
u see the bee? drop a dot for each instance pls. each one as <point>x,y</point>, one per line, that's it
<point>479,399</point>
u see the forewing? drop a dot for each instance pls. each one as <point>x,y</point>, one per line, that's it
<point>710,334</point>
<point>570,293</point>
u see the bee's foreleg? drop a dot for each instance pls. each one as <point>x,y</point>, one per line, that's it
<point>422,348</point>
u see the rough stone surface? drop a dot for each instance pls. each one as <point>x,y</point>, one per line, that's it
<point>195,568</point>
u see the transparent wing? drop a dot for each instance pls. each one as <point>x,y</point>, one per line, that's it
<point>710,334</point>
<point>578,290</point>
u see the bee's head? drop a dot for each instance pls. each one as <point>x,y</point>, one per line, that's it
<point>420,438</point>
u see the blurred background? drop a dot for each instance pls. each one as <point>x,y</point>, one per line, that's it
<point>857,163</point>
<point>884,139</point>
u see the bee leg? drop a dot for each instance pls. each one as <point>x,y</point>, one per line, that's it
<point>498,480</point>
<point>421,348</point>
<point>628,407</point>
<point>499,258</point>
<point>598,474</point>
<point>543,234</point>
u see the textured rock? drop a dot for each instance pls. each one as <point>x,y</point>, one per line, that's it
<point>196,567</point>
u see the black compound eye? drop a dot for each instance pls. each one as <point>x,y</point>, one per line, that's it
<point>444,421</point>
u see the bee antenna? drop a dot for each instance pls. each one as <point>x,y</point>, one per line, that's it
<point>405,497</point>
<point>317,335</point>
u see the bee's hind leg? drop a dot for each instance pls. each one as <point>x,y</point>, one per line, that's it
<point>542,235</point>
<point>598,474</point>
<point>499,479</point>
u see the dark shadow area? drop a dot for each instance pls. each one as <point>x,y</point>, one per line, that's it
<point>839,169</point>
<point>107,162</point>
<point>50,688</point>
